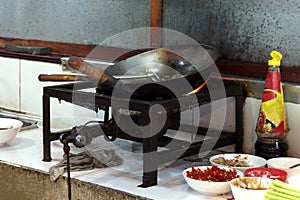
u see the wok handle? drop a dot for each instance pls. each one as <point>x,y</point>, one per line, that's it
<point>90,70</point>
<point>62,77</point>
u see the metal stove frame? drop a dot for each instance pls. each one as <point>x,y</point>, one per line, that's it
<point>150,144</point>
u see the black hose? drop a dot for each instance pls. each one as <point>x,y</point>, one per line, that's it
<point>67,151</point>
<point>67,138</point>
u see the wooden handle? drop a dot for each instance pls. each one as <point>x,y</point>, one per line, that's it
<point>88,69</point>
<point>62,77</point>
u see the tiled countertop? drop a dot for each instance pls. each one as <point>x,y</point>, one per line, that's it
<point>26,151</point>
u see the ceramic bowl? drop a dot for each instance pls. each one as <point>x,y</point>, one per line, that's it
<point>294,181</point>
<point>209,187</point>
<point>239,162</point>
<point>256,188</point>
<point>285,163</point>
<point>9,129</point>
<point>272,173</point>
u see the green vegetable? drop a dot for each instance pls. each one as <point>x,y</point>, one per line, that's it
<point>269,196</point>
<point>279,190</point>
<point>285,191</point>
<point>280,196</point>
<point>283,185</point>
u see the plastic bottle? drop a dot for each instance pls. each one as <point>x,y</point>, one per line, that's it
<point>271,126</point>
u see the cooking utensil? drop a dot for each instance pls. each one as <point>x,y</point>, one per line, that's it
<point>157,70</point>
<point>62,77</point>
<point>72,77</point>
<point>95,73</point>
<point>5,127</point>
<point>295,165</point>
<point>242,184</point>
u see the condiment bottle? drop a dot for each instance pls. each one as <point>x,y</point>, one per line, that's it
<point>271,126</point>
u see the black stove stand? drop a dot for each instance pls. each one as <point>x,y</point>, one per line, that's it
<point>151,157</point>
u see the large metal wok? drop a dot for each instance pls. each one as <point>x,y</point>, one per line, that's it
<point>162,72</point>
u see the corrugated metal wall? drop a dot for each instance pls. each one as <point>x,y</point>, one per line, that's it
<point>74,21</point>
<point>241,30</point>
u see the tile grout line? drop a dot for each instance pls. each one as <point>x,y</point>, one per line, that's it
<point>19,85</point>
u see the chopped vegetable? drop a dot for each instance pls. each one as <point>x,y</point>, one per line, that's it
<point>213,173</point>
<point>250,183</point>
<point>236,161</point>
<point>279,190</point>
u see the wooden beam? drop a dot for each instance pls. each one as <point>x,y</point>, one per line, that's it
<point>57,47</point>
<point>60,49</point>
<point>155,22</point>
<point>255,70</point>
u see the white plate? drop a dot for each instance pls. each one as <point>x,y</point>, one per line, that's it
<point>253,161</point>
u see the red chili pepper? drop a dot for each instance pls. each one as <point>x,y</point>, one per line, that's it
<point>213,173</point>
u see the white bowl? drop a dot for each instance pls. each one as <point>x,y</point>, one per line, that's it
<point>251,160</point>
<point>10,129</point>
<point>209,187</point>
<point>284,163</point>
<point>240,193</point>
<point>294,181</point>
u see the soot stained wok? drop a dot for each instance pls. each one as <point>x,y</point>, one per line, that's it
<point>154,72</point>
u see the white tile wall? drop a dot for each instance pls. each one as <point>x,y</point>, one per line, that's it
<point>32,91</point>
<point>9,83</point>
<point>251,110</point>
<point>31,87</point>
<point>220,116</point>
<point>293,138</point>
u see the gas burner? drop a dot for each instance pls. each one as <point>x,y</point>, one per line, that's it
<point>139,113</point>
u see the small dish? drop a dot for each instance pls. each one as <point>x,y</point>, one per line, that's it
<point>9,129</point>
<point>272,173</point>
<point>294,181</point>
<point>256,188</point>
